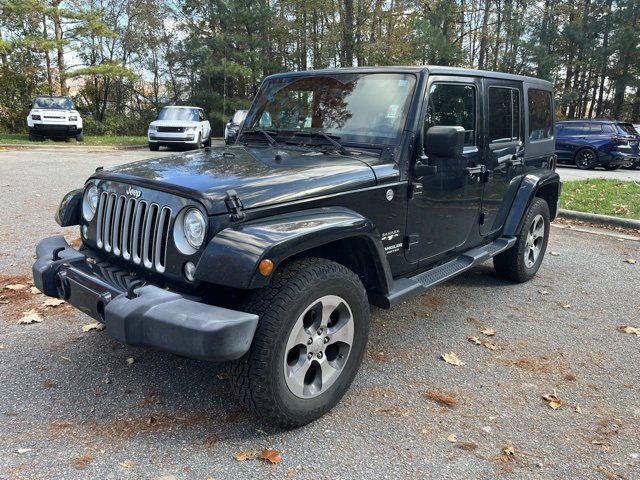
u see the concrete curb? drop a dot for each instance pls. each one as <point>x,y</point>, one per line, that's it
<point>600,219</point>
<point>81,146</point>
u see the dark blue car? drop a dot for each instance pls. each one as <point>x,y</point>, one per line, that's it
<point>597,143</point>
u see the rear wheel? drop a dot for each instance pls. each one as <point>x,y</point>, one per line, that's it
<point>586,159</point>
<point>522,261</point>
<point>313,329</point>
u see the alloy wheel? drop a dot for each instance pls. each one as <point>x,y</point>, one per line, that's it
<point>585,159</point>
<point>318,346</point>
<point>535,239</point>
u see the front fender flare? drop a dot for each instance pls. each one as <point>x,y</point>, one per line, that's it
<point>529,186</point>
<point>231,258</point>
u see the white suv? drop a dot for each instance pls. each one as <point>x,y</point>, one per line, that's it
<point>54,117</point>
<point>179,126</point>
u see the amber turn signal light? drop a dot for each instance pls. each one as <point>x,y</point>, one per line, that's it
<point>266,267</point>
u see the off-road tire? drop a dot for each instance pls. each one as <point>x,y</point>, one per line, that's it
<point>80,137</point>
<point>207,142</point>
<point>258,377</point>
<point>154,148</point>
<point>33,137</point>
<point>586,159</point>
<point>511,263</point>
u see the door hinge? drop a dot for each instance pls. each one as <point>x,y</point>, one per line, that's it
<point>415,190</point>
<point>234,205</point>
<point>410,240</point>
<point>483,216</point>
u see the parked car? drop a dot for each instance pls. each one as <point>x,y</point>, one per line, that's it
<point>179,127</point>
<point>597,143</point>
<point>54,117</point>
<point>232,128</point>
<point>346,188</point>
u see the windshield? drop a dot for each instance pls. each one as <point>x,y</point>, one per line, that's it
<point>239,116</point>
<point>358,108</point>
<point>626,129</point>
<point>184,114</point>
<point>57,103</point>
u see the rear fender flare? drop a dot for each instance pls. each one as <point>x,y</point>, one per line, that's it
<point>232,256</point>
<point>532,184</point>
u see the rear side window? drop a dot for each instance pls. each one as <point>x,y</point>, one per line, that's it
<point>608,128</point>
<point>454,105</point>
<point>504,114</point>
<point>540,114</point>
<point>575,129</point>
<point>626,129</point>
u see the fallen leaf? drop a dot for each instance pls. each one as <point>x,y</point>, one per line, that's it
<point>53,302</point>
<point>552,400</point>
<point>578,409</point>
<point>127,464</point>
<point>441,398</point>
<point>131,361</point>
<point>475,340</point>
<point>489,332</point>
<point>452,438</point>
<point>22,451</point>
<point>245,455</point>
<point>566,305</point>
<point>543,292</point>
<point>83,461</point>
<point>490,346</point>
<point>451,358</point>
<point>97,326</point>
<point>508,450</point>
<point>555,254</point>
<point>30,317</point>
<point>629,329</point>
<point>16,286</point>
<point>270,455</point>
<point>632,261</point>
<point>34,290</point>
<point>469,446</point>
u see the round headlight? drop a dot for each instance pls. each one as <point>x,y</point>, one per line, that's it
<point>90,202</point>
<point>194,226</point>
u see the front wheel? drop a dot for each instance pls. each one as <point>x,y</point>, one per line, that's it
<point>80,137</point>
<point>309,343</point>
<point>154,147</point>
<point>207,142</point>
<point>522,261</point>
<point>586,159</point>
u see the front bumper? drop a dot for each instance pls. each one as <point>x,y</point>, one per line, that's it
<point>138,314</point>
<point>55,130</point>
<point>167,138</point>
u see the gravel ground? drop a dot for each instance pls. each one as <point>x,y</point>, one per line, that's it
<point>83,411</point>
<point>573,173</point>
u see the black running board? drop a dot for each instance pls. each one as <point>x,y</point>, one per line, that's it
<point>405,288</point>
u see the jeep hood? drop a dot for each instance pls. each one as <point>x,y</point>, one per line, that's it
<point>258,177</point>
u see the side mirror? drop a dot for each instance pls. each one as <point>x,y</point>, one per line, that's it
<point>444,141</point>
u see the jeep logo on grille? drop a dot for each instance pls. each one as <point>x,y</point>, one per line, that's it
<point>133,192</point>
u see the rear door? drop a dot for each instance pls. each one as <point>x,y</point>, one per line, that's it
<point>504,150</point>
<point>540,140</point>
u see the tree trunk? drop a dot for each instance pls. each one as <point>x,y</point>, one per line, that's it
<point>57,24</point>
<point>347,34</point>
<point>483,37</point>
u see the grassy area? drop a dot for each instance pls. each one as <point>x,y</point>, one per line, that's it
<point>115,141</point>
<point>603,196</point>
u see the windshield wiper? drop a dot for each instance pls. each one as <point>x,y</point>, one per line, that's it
<point>329,138</point>
<point>272,141</point>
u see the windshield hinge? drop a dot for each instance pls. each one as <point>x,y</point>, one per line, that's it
<point>234,206</point>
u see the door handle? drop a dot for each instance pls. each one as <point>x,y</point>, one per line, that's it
<point>476,170</point>
<point>516,160</point>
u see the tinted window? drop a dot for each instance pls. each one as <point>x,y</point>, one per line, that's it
<point>59,103</point>
<point>540,114</point>
<point>452,105</point>
<point>575,128</point>
<point>608,128</point>
<point>626,129</point>
<point>504,114</point>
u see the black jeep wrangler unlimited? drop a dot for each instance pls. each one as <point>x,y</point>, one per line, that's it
<point>346,188</point>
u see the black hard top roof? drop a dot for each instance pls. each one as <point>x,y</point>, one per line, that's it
<point>434,69</point>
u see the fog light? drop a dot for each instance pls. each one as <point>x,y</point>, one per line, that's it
<point>190,271</point>
<point>266,267</point>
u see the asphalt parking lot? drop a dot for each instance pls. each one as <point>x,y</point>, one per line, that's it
<point>569,172</point>
<point>74,405</point>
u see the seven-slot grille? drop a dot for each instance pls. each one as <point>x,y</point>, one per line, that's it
<point>133,229</point>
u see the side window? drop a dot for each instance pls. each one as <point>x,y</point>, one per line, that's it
<point>453,105</point>
<point>504,114</point>
<point>608,128</point>
<point>540,114</point>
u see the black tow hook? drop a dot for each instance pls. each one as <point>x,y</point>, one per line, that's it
<point>62,284</point>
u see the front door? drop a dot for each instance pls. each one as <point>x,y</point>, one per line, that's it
<point>444,208</point>
<point>504,151</point>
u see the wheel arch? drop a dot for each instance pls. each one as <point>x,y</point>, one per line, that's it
<point>232,257</point>
<point>586,147</point>
<point>545,185</point>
